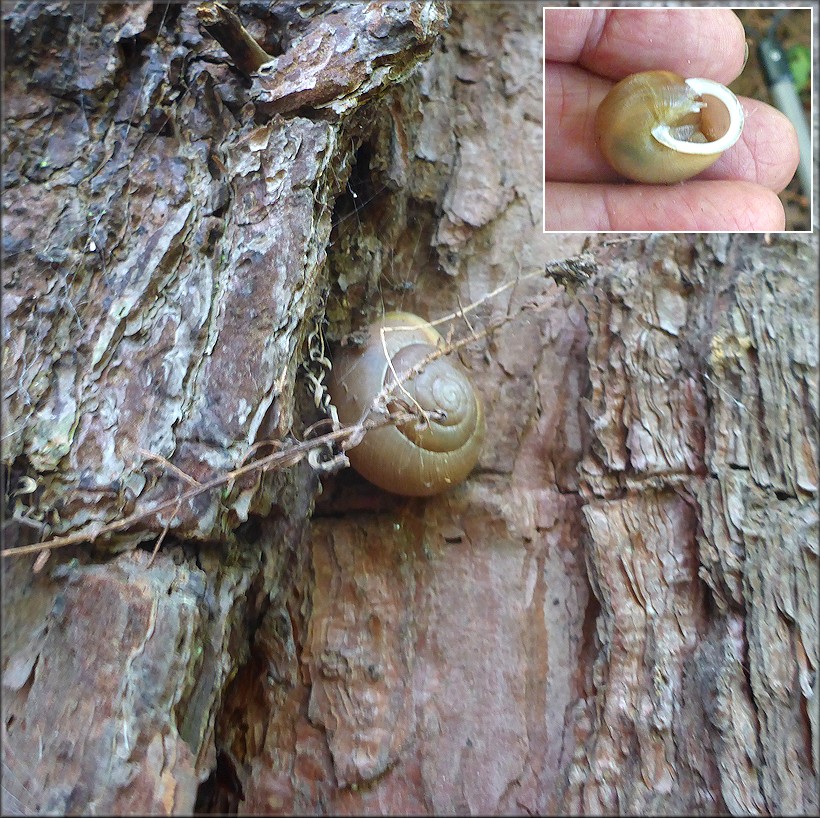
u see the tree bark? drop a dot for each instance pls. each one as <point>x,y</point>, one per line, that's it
<point>702,522</point>
<point>615,613</point>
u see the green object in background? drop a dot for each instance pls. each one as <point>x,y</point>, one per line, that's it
<point>799,58</point>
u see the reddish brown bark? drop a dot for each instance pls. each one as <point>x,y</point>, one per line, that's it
<point>614,613</point>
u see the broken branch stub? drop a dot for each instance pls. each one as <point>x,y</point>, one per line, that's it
<point>227,29</point>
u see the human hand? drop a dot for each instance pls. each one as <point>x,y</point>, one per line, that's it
<point>587,51</point>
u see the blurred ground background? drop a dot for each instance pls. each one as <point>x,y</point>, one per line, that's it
<point>794,34</point>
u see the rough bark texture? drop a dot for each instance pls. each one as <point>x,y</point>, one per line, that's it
<point>615,613</point>
<point>162,305</point>
<point>701,486</point>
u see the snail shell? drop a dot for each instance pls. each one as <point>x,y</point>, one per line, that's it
<point>657,127</point>
<point>417,458</point>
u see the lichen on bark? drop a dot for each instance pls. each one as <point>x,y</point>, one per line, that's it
<point>160,306</point>
<point>165,246</point>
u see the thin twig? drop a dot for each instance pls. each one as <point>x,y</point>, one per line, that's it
<point>398,383</point>
<point>571,272</point>
<point>375,416</point>
<point>170,466</point>
<point>162,536</point>
<point>387,390</point>
<point>279,459</point>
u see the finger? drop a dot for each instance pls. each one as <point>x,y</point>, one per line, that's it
<point>571,99</point>
<point>766,154</point>
<point>694,42</point>
<point>693,206</point>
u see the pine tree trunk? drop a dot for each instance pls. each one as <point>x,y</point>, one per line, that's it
<point>616,612</point>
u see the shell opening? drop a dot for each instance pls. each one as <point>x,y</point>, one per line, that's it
<point>721,120</point>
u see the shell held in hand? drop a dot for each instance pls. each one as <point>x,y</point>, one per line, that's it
<point>657,127</point>
<point>417,458</point>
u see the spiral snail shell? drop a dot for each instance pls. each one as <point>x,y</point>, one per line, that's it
<point>417,458</point>
<point>658,127</point>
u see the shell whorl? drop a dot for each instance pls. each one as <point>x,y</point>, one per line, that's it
<point>657,127</point>
<point>420,457</point>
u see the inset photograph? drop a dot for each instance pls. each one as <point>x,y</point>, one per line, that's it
<point>685,119</point>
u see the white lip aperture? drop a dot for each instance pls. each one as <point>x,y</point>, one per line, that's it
<point>664,135</point>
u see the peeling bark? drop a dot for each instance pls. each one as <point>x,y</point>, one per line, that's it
<point>162,306</point>
<point>165,244</point>
<point>702,517</point>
